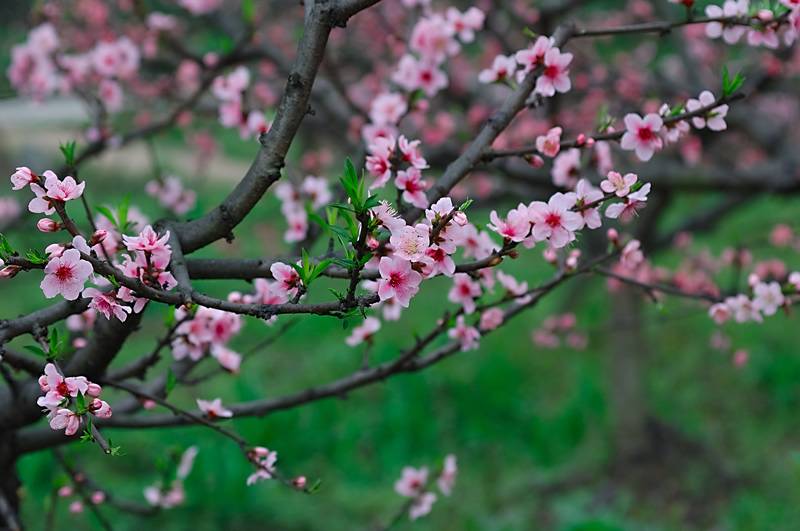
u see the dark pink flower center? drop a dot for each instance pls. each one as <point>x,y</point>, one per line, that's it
<point>551,71</point>
<point>395,280</point>
<point>553,219</point>
<point>645,134</point>
<point>64,273</point>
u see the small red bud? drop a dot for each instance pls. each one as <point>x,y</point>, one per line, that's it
<point>98,236</point>
<point>299,482</point>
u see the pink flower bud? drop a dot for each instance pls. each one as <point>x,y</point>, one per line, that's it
<point>580,140</point>
<point>460,219</point>
<point>9,271</point>
<point>765,15</point>
<point>94,390</point>
<point>65,491</point>
<point>299,482</point>
<point>550,255</point>
<point>98,497</point>
<point>536,161</point>
<point>98,236</point>
<point>76,507</point>
<point>48,225</point>
<point>260,451</point>
<point>613,236</point>
<point>740,358</point>
<point>590,142</point>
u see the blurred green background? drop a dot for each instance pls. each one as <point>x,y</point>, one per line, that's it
<point>533,429</point>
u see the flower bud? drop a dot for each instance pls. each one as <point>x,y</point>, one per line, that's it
<point>98,497</point>
<point>536,161</point>
<point>48,225</point>
<point>65,491</point>
<point>98,236</point>
<point>460,219</point>
<point>9,271</point>
<point>581,140</point>
<point>590,142</point>
<point>613,236</point>
<point>299,482</point>
<point>94,390</point>
<point>550,255</point>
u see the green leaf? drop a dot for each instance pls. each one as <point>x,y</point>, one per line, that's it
<point>172,381</point>
<point>315,487</point>
<point>248,11</point>
<point>36,257</point>
<point>36,350</point>
<point>122,213</point>
<point>106,212</point>
<point>5,247</point>
<point>68,150</point>
<point>55,343</point>
<point>532,35</point>
<point>731,85</point>
<point>465,205</point>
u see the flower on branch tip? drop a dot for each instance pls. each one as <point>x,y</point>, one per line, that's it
<point>214,409</point>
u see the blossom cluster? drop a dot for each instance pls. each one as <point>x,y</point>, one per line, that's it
<point>414,483</point>
<point>63,393</point>
<point>312,194</point>
<point>543,56</point>
<point>231,91</point>
<point>39,67</point>
<point>172,195</point>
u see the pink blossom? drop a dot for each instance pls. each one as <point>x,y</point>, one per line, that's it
<point>532,57</point>
<point>730,33</point>
<point>554,221</point>
<point>413,186</point>
<point>555,76</point>
<point>740,358</point>
<point>422,505</point>
<point>631,255</point>
<point>214,409</point>
<point>364,332</point>
<point>106,303</point>
<point>65,419</point>
<point>587,194</point>
<point>412,482</point>
<point>464,292</point>
<point>231,87</point>
<point>519,290</point>
<point>387,108</point>
<point>379,161</point>
<point>65,190</point>
<point>491,319</point>
<point>549,144</point>
<point>632,204</point>
<point>65,275</point>
<point>316,189</point>
<point>200,7</point>
<point>447,478</point>
<point>438,261</point>
<point>617,184</point>
<point>719,312</point>
<point>567,168</point>
<point>387,216</point>
<point>515,227</point>
<point>411,153</point>
<point>100,408</point>
<point>265,460</point>
<point>227,358</point>
<point>465,24</point>
<point>466,335</point>
<point>149,241</point>
<point>743,309</point>
<point>22,177</point>
<point>398,280</point>
<point>641,135</point>
<point>714,118</point>
<point>286,277</point>
<point>413,74</point>
<point>767,297</point>
<point>432,38</point>
<point>502,68</point>
<point>410,243</point>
